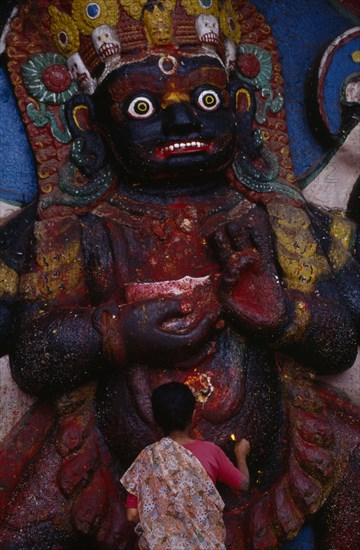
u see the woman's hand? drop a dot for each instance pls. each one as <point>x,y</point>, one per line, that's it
<point>242,449</point>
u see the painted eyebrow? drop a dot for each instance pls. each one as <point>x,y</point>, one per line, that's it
<point>142,80</point>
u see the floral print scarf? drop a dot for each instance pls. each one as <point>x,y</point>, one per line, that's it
<point>178,504</point>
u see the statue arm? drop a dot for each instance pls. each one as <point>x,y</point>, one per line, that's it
<point>277,284</point>
<point>321,331</point>
<point>54,345</point>
<point>54,349</point>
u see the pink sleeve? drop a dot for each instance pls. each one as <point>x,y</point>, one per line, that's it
<point>131,501</point>
<point>228,473</point>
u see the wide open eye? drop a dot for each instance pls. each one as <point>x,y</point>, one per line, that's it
<point>141,107</point>
<point>209,100</point>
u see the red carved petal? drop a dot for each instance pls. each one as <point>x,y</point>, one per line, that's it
<point>305,490</point>
<point>314,428</point>
<point>289,517</point>
<point>314,459</point>
<point>78,468</point>
<point>20,448</point>
<point>261,525</point>
<point>91,506</point>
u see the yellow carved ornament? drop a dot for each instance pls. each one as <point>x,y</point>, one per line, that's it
<point>229,22</point>
<point>197,7</point>
<point>297,251</point>
<point>158,26</point>
<point>135,8</point>
<point>9,280</point>
<point>341,234</point>
<point>64,32</point>
<point>89,15</point>
<point>59,263</point>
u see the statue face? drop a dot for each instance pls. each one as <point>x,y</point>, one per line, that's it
<point>168,118</point>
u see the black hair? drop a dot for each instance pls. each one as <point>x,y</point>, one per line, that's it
<point>173,405</point>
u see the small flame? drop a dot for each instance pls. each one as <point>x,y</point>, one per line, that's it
<point>233,437</point>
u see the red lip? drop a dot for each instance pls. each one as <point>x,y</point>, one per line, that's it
<point>182,147</point>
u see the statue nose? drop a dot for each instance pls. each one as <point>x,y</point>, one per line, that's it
<point>179,118</point>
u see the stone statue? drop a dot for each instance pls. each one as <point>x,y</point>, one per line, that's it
<point>168,243</point>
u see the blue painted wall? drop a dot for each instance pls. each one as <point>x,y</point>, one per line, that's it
<point>302,29</point>
<point>18,183</point>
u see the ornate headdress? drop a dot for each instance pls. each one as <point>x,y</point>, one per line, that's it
<point>98,36</point>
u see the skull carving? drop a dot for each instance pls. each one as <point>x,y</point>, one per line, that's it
<point>106,44</point>
<point>207,27</point>
<point>81,74</point>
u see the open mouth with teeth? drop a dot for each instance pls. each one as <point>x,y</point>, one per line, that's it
<point>181,148</point>
<point>108,50</point>
<point>210,38</point>
<point>82,78</point>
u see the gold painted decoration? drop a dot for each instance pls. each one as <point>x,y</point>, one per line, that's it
<point>89,15</point>
<point>9,280</point>
<point>59,263</point>
<point>341,234</point>
<point>64,32</point>
<point>198,7</point>
<point>300,260</point>
<point>136,8</point>
<point>158,26</point>
<point>229,22</point>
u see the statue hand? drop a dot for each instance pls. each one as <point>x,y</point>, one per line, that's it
<point>250,290</point>
<point>152,330</point>
<point>162,330</point>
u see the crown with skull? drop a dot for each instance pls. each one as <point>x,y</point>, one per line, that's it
<point>98,36</point>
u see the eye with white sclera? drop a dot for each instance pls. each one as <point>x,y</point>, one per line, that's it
<point>141,107</point>
<point>209,100</point>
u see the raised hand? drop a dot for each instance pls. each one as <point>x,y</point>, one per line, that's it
<point>250,290</point>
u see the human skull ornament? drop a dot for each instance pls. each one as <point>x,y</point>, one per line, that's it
<point>207,27</point>
<point>107,44</point>
<point>81,74</point>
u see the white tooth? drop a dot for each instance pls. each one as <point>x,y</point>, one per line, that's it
<point>177,146</point>
<point>182,144</point>
<point>198,144</point>
<point>171,147</point>
<point>193,143</point>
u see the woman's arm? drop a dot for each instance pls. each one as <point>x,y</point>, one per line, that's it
<point>242,449</point>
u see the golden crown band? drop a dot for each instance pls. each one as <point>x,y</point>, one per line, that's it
<point>98,37</point>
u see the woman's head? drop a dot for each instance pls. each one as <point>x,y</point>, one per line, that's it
<point>173,406</point>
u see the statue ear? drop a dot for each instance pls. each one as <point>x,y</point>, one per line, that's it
<point>90,153</point>
<point>243,100</point>
<point>244,106</point>
<point>80,114</point>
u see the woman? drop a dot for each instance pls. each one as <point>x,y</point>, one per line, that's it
<point>171,484</point>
